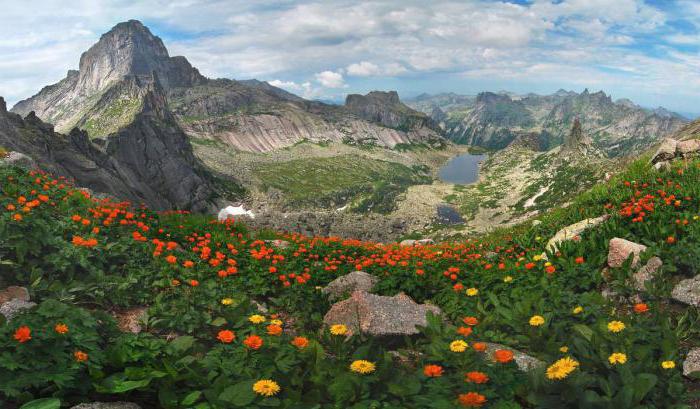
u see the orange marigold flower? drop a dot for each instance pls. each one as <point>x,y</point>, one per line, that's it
<point>23,334</point>
<point>470,321</point>
<point>175,282</point>
<point>274,330</point>
<point>253,342</point>
<point>464,331</point>
<point>171,259</point>
<point>503,356</point>
<point>670,240</point>
<point>641,308</point>
<point>61,328</point>
<point>300,342</point>
<point>479,346</point>
<point>194,283</point>
<point>432,371</point>
<point>226,336</point>
<point>188,264</point>
<point>80,356</point>
<point>579,260</point>
<point>471,399</point>
<point>476,377</point>
<point>17,217</point>
<point>550,269</point>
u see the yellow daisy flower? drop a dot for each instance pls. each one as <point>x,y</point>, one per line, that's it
<point>668,364</point>
<point>536,320</point>
<point>256,319</point>
<point>616,326</point>
<point>227,301</point>
<point>458,346</point>
<point>577,310</point>
<point>472,291</point>
<point>562,368</point>
<point>338,329</point>
<point>362,367</point>
<point>617,358</point>
<point>266,387</point>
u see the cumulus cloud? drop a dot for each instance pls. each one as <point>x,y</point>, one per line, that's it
<point>368,69</point>
<point>330,79</point>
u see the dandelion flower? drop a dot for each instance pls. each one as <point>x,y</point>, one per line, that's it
<point>668,364</point>
<point>256,319</point>
<point>458,346</point>
<point>536,320</point>
<point>227,301</point>
<point>577,310</point>
<point>339,329</point>
<point>471,292</point>
<point>616,326</point>
<point>362,367</point>
<point>562,368</point>
<point>617,358</point>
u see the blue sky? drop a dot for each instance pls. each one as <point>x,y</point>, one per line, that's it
<point>643,50</point>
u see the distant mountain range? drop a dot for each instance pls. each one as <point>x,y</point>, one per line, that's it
<point>494,120</point>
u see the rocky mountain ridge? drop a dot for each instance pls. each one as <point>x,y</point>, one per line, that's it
<point>494,120</point>
<point>247,115</point>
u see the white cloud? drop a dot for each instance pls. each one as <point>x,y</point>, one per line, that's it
<point>330,79</point>
<point>368,69</point>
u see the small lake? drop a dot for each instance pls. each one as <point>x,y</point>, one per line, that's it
<point>462,169</point>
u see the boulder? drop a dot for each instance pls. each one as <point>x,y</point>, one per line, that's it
<point>666,151</point>
<point>688,291</point>
<point>574,231</point>
<point>685,148</point>
<point>107,405</point>
<point>425,242</point>
<point>349,283</point>
<point>234,212</point>
<point>662,166</point>
<point>646,273</point>
<point>379,315</point>
<point>524,361</point>
<point>620,250</point>
<point>13,308</point>
<point>130,320</point>
<point>692,362</point>
<point>280,244</point>
<point>18,159</point>
<point>13,293</point>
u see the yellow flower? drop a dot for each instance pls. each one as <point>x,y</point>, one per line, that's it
<point>266,387</point>
<point>276,322</point>
<point>256,319</point>
<point>562,368</point>
<point>577,310</point>
<point>537,257</point>
<point>472,291</point>
<point>668,364</point>
<point>362,366</point>
<point>564,349</point>
<point>616,326</point>
<point>536,320</point>
<point>227,301</point>
<point>507,279</point>
<point>458,346</point>
<point>339,329</point>
<point>617,358</point>
<point>538,238</point>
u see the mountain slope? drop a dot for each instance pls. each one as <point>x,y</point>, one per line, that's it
<point>247,115</point>
<point>494,120</point>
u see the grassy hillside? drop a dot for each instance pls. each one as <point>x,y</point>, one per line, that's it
<point>204,344</point>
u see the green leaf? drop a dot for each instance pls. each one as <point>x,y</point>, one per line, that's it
<point>240,394</point>
<point>585,331</point>
<point>118,384</point>
<point>180,345</point>
<point>45,403</point>
<point>219,321</point>
<point>191,398</point>
<point>270,402</point>
<point>643,383</point>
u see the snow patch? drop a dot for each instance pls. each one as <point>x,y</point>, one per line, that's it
<point>231,211</point>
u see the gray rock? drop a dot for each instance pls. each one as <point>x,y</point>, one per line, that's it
<point>536,222</point>
<point>379,315</point>
<point>688,147</point>
<point>666,151</point>
<point>13,308</point>
<point>663,166</point>
<point>13,293</point>
<point>688,291</point>
<point>18,159</point>
<point>620,250</point>
<point>646,273</point>
<point>425,242</point>
<point>524,361</point>
<point>280,244</point>
<point>408,243</point>
<point>692,362</point>
<point>107,405</point>
<point>349,283</point>
<point>573,231</point>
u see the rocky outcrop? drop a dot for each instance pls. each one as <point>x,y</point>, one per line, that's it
<point>692,362</point>
<point>666,151</point>
<point>379,315</point>
<point>349,283</point>
<point>386,109</point>
<point>574,231</point>
<point>18,159</point>
<point>13,301</point>
<point>670,149</point>
<point>688,291</point>
<point>620,250</point>
<point>524,361</point>
<point>13,293</point>
<point>646,273</point>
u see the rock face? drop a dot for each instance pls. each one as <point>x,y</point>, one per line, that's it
<point>349,283</point>
<point>385,108</point>
<point>666,151</point>
<point>573,231</point>
<point>18,159</point>
<point>248,115</point>
<point>620,250</point>
<point>671,149</point>
<point>524,361</point>
<point>149,160</point>
<point>688,291</point>
<point>495,120</point>
<point>378,315</point>
<point>646,273</point>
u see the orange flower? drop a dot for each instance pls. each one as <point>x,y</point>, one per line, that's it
<point>641,308</point>
<point>274,330</point>
<point>432,371</point>
<point>471,321</point>
<point>670,240</point>
<point>253,342</point>
<point>17,217</point>
<point>23,334</point>
<point>80,356</point>
<point>226,336</point>
<point>479,346</point>
<point>194,283</point>
<point>188,264</point>
<point>61,328</point>
<point>471,399</point>
<point>171,259</point>
<point>464,331</point>
<point>476,377</point>
<point>503,356</point>
<point>550,269</point>
<point>579,260</point>
<point>300,342</point>
<point>175,282</point>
